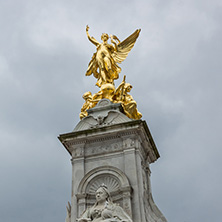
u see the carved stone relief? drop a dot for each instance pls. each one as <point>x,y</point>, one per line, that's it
<point>116,182</point>
<point>77,152</point>
<point>112,183</point>
<point>104,148</point>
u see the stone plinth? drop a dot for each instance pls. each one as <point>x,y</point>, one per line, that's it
<point>108,147</point>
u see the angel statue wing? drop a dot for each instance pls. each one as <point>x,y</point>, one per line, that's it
<point>123,48</point>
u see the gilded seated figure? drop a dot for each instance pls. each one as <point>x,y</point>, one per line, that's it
<point>106,92</point>
<point>104,210</point>
<point>128,103</point>
<point>118,95</point>
<point>87,105</point>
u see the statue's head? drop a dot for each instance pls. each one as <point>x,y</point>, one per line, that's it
<point>87,95</point>
<point>104,37</point>
<point>128,87</point>
<point>102,194</point>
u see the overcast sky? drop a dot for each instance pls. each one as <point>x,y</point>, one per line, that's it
<point>175,68</point>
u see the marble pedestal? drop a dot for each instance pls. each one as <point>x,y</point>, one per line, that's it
<point>108,147</point>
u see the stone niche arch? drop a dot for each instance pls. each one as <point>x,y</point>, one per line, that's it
<point>116,181</point>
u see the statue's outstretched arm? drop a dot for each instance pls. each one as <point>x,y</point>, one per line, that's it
<point>91,39</point>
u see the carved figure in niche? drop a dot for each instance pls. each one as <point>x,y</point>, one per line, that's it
<point>129,104</point>
<point>103,64</point>
<point>104,210</point>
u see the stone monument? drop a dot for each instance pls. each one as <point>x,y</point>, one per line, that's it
<point>111,148</point>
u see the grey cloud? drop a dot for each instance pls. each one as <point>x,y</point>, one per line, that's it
<point>175,71</point>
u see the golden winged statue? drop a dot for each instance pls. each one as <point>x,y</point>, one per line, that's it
<point>103,64</point>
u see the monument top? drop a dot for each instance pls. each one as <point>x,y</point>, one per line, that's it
<point>111,145</point>
<point>105,69</point>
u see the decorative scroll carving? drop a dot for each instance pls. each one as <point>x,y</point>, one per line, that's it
<point>102,149</point>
